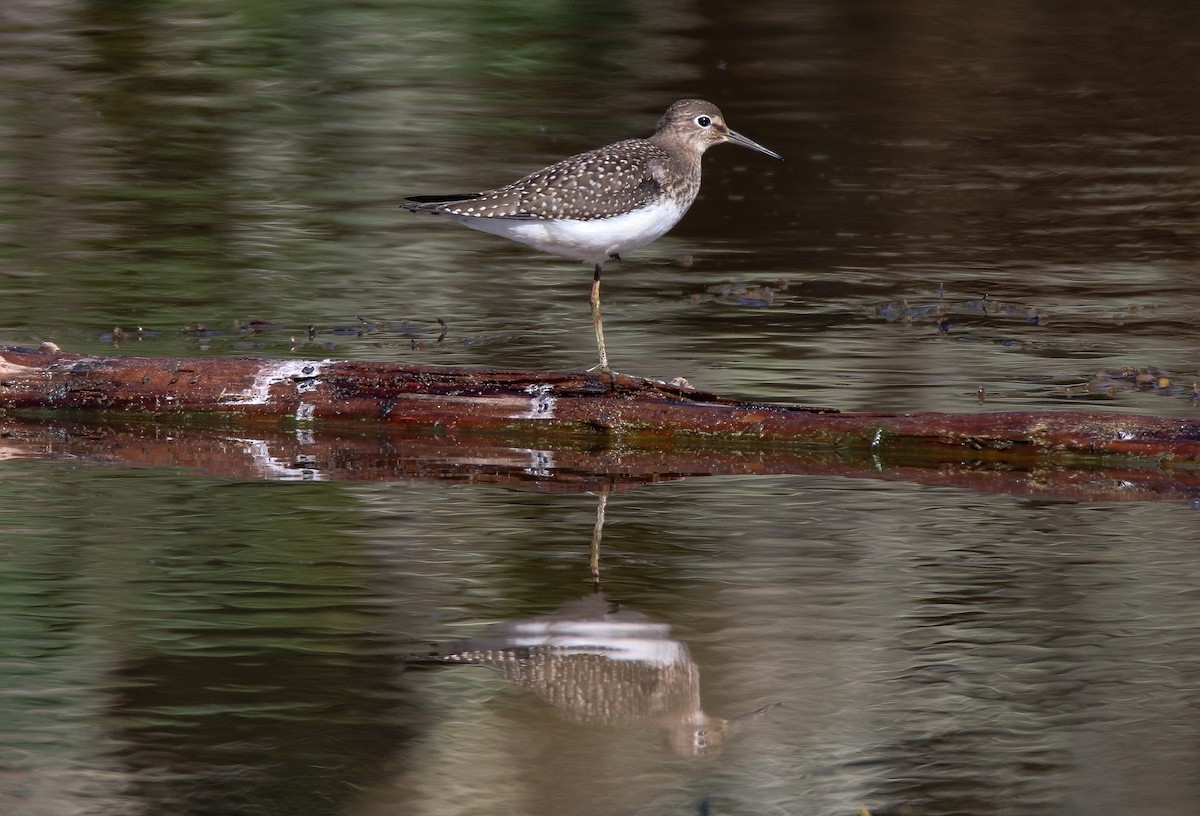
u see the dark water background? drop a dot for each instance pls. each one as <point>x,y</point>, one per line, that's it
<point>1000,196</point>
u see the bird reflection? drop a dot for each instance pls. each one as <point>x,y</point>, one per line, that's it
<point>596,661</point>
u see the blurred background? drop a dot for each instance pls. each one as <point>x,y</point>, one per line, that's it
<point>225,177</point>
<point>981,207</point>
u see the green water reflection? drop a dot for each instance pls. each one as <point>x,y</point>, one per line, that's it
<point>197,646</point>
<point>157,624</point>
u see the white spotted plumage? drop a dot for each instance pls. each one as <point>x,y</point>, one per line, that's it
<point>598,184</point>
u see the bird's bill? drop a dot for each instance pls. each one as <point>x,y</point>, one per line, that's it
<point>738,138</point>
<point>751,716</point>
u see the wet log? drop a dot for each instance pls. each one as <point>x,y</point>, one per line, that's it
<point>534,405</point>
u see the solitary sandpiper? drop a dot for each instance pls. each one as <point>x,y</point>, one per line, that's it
<point>602,203</point>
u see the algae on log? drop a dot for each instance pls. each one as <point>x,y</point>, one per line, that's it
<point>523,404</point>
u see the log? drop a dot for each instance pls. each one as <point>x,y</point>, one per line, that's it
<point>535,406</point>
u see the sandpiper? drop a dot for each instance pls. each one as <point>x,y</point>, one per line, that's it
<point>597,205</point>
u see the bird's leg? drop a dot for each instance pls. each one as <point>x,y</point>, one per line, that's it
<point>594,300</point>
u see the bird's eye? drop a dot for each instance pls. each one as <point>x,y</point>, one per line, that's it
<point>703,121</point>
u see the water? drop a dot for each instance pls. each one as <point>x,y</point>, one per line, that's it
<point>220,647</point>
<point>1001,199</point>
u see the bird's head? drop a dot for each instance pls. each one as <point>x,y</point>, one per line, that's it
<point>701,125</point>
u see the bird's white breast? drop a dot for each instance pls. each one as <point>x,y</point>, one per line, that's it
<point>591,241</point>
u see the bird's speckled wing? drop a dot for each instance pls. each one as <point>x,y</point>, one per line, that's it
<point>601,183</point>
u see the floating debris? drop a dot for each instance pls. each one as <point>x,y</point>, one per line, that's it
<point>1150,380</point>
<point>745,295</point>
<point>941,312</point>
<point>257,326</point>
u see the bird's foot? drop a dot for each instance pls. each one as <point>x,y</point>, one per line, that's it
<point>603,370</point>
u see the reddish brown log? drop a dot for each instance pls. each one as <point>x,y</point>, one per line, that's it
<point>532,406</point>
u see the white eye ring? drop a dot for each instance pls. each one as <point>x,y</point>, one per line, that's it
<point>703,121</point>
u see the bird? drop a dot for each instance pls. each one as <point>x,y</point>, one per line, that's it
<point>595,206</point>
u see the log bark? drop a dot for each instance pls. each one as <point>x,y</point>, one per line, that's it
<point>604,409</point>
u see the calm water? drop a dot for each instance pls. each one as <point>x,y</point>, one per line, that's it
<point>1003,198</point>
